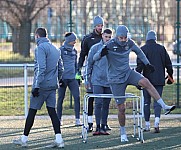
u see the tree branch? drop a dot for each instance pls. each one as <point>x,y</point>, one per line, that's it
<point>41,8</point>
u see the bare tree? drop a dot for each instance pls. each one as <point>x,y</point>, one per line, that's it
<point>19,15</point>
<point>14,25</point>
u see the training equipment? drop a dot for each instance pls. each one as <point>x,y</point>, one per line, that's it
<point>137,113</point>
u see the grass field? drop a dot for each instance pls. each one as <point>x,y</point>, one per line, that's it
<point>12,103</point>
<point>12,100</point>
<point>42,134</point>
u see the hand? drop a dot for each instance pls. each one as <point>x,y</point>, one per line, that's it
<point>35,92</point>
<point>170,79</point>
<point>87,85</point>
<point>79,72</point>
<point>104,51</point>
<point>78,78</point>
<point>61,83</point>
<point>139,87</point>
<point>150,68</point>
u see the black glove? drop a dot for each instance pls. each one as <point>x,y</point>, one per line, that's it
<point>104,51</point>
<point>61,83</point>
<point>35,92</point>
<point>78,71</point>
<point>150,68</point>
<point>139,87</point>
<point>170,79</point>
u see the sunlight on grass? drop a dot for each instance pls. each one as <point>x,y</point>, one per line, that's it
<point>9,56</point>
<point>168,138</point>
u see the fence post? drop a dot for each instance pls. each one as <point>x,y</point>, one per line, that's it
<point>70,25</point>
<point>25,90</point>
<point>178,50</point>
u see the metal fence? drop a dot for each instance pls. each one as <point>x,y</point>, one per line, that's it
<point>61,16</point>
<point>15,91</point>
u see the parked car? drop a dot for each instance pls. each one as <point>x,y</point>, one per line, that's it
<point>175,47</point>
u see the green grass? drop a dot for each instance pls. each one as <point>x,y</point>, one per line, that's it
<point>10,72</point>
<point>12,101</point>
<point>42,135</point>
<point>10,57</point>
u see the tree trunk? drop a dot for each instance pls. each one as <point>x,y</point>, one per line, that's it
<point>15,39</point>
<point>24,38</point>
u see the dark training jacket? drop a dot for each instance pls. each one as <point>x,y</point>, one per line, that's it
<point>159,58</point>
<point>86,44</point>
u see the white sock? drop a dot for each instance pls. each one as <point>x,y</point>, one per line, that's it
<point>157,121</point>
<point>77,121</point>
<point>122,130</point>
<point>162,103</point>
<point>58,138</point>
<point>90,119</point>
<point>147,123</point>
<point>24,138</point>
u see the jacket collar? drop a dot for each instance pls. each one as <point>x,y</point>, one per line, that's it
<point>150,41</point>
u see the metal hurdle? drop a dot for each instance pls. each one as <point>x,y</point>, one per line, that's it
<point>137,113</point>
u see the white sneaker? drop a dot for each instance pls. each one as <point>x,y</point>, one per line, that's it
<point>124,138</point>
<point>20,142</point>
<point>168,109</point>
<point>146,129</point>
<point>77,122</point>
<point>56,144</point>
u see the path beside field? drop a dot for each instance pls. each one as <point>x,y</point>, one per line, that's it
<point>18,81</point>
<point>66,117</point>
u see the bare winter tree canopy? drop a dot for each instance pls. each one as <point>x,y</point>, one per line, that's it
<point>60,16</point>
<point>19,15</point>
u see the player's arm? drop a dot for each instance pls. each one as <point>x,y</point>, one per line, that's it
<point>60,67</point>
<point>41,66</point>
<point>168,63</point>
<point>89,67</point>
<point>169,68</point>
<point>140,65</point>
<point>100,53</point>
<point>147,66</point>
<point>83,53</point>
<point>140,54</point>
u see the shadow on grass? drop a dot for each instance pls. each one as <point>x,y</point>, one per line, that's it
<point>42,135</point>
